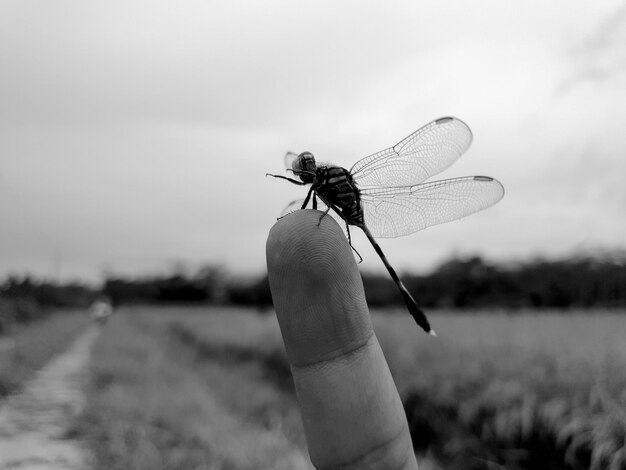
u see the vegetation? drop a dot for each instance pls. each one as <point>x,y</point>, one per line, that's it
<point>171,387</point>
<point>578,282</point>
<point>26,348</point>
<point>507,388</point>
<point>460,283</point>
<point>47,293</point>
<point>157,402</point>
<point>525,391</point>
<point>24,300</point>
<point>35,324</point>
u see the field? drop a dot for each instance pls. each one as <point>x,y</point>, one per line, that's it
<point>210,388</point>
<point>28,347</point>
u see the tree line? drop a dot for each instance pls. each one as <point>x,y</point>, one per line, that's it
<point>471,282</point>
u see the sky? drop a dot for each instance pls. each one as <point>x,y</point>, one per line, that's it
<point>135,135</point>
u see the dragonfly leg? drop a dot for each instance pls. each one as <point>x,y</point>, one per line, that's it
<point>351,245</point>
<point>308,196</point>
<point>330,206</point>
<point>323,215</point>
<point>291,180</point>
<point>314,201</point>
<point>338,211</point>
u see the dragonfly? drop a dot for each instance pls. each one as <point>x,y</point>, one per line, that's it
<point>386,194</point>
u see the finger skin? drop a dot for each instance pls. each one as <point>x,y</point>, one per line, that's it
<point>352,414</point>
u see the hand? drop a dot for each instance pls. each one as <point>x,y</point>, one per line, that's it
<point>352,413</point>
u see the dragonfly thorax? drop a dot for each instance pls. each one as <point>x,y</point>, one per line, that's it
<point>336,187</point>
<point>305,167</point>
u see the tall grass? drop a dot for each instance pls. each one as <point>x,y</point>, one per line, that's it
<point>523,391</point>
<point>529,391</point>
<point>155,404</point>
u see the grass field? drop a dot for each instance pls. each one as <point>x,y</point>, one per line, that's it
<point>26,348</point>
<point>210,388</point>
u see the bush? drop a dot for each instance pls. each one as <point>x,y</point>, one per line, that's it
<point>19,310</point>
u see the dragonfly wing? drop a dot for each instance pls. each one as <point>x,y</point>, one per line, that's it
<point>394,212</point>
<point>424,153</point>
<point>289,158</point>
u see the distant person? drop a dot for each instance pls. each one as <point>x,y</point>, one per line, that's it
<point>352,413</point>
<point>101,310</point>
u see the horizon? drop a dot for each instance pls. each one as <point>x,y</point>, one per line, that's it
<point>188,271</point>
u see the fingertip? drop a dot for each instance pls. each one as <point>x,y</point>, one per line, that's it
<point>316,287</point>
<point>305,237</point>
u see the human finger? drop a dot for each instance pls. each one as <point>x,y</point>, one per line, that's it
<point>352,414</point>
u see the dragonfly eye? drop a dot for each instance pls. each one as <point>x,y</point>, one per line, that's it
<point>304,166</point>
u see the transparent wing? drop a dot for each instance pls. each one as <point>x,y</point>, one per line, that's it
<point>426,152</point>
<point>289,158</point>
<point>393,212</point>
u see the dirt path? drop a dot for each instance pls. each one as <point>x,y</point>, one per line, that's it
<point>34,423</point>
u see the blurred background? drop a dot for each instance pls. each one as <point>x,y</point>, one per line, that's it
<point>134,141</point>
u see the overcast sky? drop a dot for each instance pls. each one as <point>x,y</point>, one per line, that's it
<point>135,135</point>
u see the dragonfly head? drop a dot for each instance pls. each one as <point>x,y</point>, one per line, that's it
<point>304,166</point>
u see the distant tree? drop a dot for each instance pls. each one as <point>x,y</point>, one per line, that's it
<point>255,292</point>
<point>205,285</point>
<point>380,290</point>
<point>179,289</point>
<point>212,279</point>
<point>122,291</point>
<point>574,282</point>
<point>26,299</point>
<point>471,282</point>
